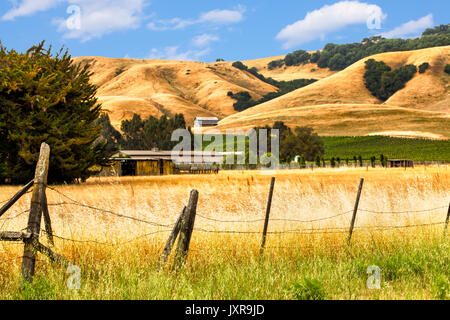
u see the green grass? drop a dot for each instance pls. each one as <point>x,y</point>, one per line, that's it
<point>409,270</point>
<point>414,149</point>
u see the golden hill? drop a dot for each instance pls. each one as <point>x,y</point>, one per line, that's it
<point>306,71</point>
<point>157,87</point>
<point>341,105</point>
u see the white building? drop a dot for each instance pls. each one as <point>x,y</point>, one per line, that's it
<point>201,122</point>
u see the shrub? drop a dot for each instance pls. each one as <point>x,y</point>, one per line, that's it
<point>276,64</point>
<point>244,100</point>
<point>447,69</point>
<point>333,162</point>
<point>382,82</point>
<point>317,161</point>
<point>308,289</point>
<point>424,67</point>
<point>297,58</point>
<point>239,65</point>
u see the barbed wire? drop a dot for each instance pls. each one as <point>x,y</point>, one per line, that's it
<point>5,201</point>
<point>326,230</point>
<point>106,243</point>
<point>16,216</point>
<point>76,203</point>
<point>276,219</point>
<point>401,212</point>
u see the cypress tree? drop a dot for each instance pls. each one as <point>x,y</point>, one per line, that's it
<point>47,98</point>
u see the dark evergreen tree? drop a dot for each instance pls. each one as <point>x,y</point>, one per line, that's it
<point>109,135</point>
<point>47,98</point>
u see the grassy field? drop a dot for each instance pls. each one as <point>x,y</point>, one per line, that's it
<point>122,264</point>
<point>395,148</point>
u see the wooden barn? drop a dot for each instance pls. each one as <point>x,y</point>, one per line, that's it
<point>400,163</point>
<point>141,163</point>
<point>149,163</point>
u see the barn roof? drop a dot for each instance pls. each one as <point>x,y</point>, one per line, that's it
<point>179,156</point>
<point>207,119</point>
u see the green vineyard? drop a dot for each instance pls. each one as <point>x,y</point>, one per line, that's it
<point>414,149</point>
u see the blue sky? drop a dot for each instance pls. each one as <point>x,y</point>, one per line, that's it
<point>205,30</point>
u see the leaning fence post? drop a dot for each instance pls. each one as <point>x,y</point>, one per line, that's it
<point>187,226</point>
<point>36,207</point>
<point>266,221</point>
<point>355,210</point>
<point>16,197</point>
<point>446,221</point>
<point>171,240</point>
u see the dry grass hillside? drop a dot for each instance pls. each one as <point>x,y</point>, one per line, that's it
<point>341,105</point>
<point>157,87</point>
<point>307,71</point>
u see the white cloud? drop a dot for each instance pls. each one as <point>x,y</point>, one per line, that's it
<point>102,17</point>
<point>413,27</point>
<point>97,17</point>
<point>318,23</point>
<point>223,16</point>
<point>204,40</point>
<point>213,17</point>
<point>172,53</point>
<point>29,7</point>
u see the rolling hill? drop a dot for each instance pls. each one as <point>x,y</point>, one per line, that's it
<point>340,104</point>
<point>157,87</point>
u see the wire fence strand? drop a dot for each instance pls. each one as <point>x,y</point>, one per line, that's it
<point>76,203</point>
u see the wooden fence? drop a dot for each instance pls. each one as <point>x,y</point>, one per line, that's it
<point>182,229</point>
<point>38,208</point>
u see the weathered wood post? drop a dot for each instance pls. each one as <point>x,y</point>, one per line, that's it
<point>187,226</point>
<point>47,221</point>
<point>355,210</point>
<point>36,208</point>
<point>171,240</point>
<point>446,221</point>
<point>266,221</point>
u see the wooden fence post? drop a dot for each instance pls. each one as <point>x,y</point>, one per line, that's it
<point>36,208</point>
<point>266,221</point>
<point>187,226</point>
<point>446,221</point>
<point>171,240</point>
<point>47,221</point>
<point>355,210</point>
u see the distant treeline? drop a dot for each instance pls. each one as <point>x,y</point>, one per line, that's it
<point>340,56</point>
<point>138,134</point>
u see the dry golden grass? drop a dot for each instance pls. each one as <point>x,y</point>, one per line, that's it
<point>157,87</point>
<point>306,71</point>
<point>347,120</point>
<point>414,260</point>
<point>231,195</point>
<point>345,91</point>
